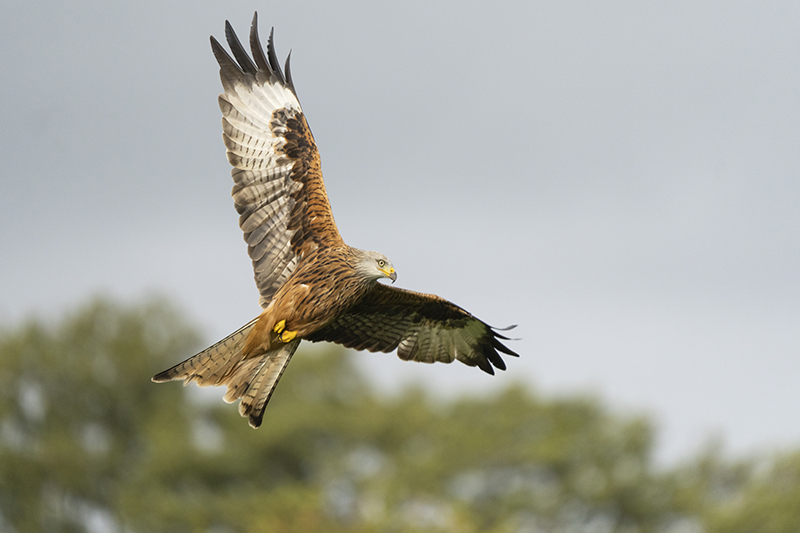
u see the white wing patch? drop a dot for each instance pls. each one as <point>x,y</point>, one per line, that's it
<point>252,132</point>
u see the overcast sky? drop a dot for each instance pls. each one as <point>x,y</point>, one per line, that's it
<point>621,180</point>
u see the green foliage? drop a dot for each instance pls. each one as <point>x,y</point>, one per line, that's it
<point>746,496</point>
<point>87,442</point>
<point>76,410</point>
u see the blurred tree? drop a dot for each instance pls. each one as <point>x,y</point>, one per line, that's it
<point>761,495</point>
<point>76,412</point>
<point>88,443</point>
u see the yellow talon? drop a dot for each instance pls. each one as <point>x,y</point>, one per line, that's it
<point>283,335</point>
<point>286,336</point>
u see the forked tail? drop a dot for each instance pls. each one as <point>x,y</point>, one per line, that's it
<point>251,379</point>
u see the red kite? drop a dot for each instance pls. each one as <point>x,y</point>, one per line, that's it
<point>313,286</point>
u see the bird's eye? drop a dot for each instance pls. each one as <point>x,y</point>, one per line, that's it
<point>381,263</point>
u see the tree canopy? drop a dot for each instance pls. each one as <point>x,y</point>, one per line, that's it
<point>88,443</point>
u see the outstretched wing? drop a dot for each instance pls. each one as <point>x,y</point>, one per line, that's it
<point>422,327</point>
<point>278,188</point>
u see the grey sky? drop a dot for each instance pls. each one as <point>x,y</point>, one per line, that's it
<point>620,179</point>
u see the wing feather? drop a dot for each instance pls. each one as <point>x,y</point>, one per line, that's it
<point>278,188</point>
<point>238,50</point>
<point>421,327</point>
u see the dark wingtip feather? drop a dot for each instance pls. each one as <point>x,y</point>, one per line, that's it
<point>221,55</point>
<point>491,355</point>
<point>267,62</point>
<point>505,349</point>
<point>499,336</point>
<point>483,361</point>
<point>288,69</point>
<point>273,58</point>
<point>255,46</point>
<point>499,345</point>
<point>238,50</point>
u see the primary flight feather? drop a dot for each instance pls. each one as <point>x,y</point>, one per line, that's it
<point>312,285</point>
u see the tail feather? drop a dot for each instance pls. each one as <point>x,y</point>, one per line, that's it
<point>239,380</point>
<point>252,379</point>
<point>210,366</point>
<point>257,383</point>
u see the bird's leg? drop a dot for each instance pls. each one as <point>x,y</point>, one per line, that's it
<point>283,334</point>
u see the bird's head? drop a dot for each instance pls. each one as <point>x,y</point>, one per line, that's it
<point>375,265</point>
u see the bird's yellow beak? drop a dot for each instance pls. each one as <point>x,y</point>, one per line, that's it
<point>391,274</point>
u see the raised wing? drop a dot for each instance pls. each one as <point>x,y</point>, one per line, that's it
<point>278,188</point>
<point>422,327</point>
